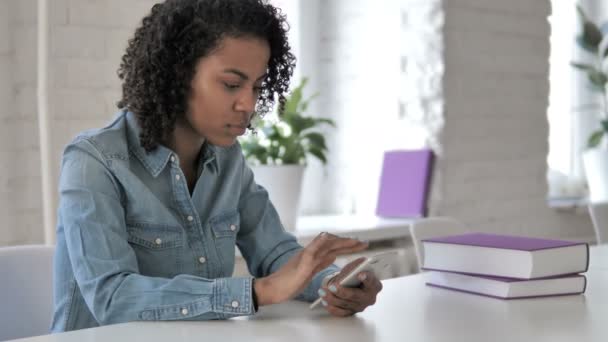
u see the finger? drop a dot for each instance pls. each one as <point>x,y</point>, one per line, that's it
<point>346,270</point>
<point>336,243</point>
<point>370,282</point>
<point>323,260</point>
<point>344,243</point>
<point>326,249</point>
<point>354,295</point>
<point>341,247</point>
<point>348,299</point>
<point>320,241</point>
<point>338,312</point>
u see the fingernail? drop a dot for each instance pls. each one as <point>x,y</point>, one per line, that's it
<point>333,288</point>
<point>362,276</point>
<point>322,293</point>
<point>324,303</point>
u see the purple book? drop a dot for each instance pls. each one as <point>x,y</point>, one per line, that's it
<point>404,183</point>
<point>508,288</point>
<point>505,256</point>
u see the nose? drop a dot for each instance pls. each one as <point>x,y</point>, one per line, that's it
<point>246,102</point>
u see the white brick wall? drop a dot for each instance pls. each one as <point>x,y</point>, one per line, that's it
<point>494,139</point>
<point>493,167</point>
<point>87,39</point>
<point>6,109</point>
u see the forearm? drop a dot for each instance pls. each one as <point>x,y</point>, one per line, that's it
<point>267,294</point>
<point>132,297</point>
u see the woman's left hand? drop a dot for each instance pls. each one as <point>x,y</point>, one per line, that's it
<point>343,301</point>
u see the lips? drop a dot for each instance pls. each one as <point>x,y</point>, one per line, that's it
<point>238,129</point>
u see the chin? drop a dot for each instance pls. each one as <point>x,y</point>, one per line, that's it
<point>227,142</point>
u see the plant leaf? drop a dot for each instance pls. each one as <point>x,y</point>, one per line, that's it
<point>293,151</point>
<point>300,123</point>
<point>319,154</point>
<point>604,124</point>
<point>595,139</point>
<point>316,140</point>
<point>293,100</point>
<point>252,150</point>
<point>302,141</point>
<point>582,66</point>
<point>327,121</point>
<point>304,105</point>
<point>597,78</point>
<point>582,43</point>
<point>592,36</point>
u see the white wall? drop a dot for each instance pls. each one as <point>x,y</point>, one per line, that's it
<point>7,111</point>
<point>495,140</point>
<point>351,51</point>
<point>87,40</point>
<point>491,173</point>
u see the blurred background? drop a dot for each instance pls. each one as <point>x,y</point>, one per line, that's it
<point>487,84</point>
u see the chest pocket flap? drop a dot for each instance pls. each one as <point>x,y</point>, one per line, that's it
<point>225,225</point>
<point>154,236</point>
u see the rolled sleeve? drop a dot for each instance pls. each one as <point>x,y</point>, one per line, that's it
<point>231,298</point>
<point>234,297</point>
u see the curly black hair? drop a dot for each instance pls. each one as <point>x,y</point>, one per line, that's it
<point>160,60</point>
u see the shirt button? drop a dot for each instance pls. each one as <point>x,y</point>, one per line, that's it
<point>234,304</point>
<point>202,260</point>
<point>177,177</point>
<point>232,227</point>
<point>190,218</point>
<point>184,311</point>
<point>158,241</point>
<point>172,158</point>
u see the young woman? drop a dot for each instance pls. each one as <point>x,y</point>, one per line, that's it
<point>152,206</point>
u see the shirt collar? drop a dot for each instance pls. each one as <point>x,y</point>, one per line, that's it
<point>156,160</point>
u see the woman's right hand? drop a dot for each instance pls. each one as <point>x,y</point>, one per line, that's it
<point>291,279</point>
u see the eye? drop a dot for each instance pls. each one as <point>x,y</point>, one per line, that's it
<point>231,86</point>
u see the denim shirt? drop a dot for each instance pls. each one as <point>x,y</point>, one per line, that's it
<point>134,244</point>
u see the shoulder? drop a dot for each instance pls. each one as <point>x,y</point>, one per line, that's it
<point>109,142</point>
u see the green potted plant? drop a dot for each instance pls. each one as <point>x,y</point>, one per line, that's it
<point>595,158</point>
<point>278,151</point>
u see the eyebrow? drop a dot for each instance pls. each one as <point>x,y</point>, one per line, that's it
<point>241,74</point>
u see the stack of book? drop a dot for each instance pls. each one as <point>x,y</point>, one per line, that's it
<point>506,267</point>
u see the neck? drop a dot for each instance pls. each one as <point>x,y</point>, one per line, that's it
<point>187,144</point>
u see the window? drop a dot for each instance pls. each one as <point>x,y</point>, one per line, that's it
<point>378,72</point>
<point>571,107</point>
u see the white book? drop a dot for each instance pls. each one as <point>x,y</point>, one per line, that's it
<point>508,288</point>
<point>505,256</point>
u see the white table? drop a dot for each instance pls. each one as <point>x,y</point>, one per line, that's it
<point>406,310</point>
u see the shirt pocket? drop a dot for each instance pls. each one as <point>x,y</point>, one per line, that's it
<point>158,248</point>
<point>225,228</point>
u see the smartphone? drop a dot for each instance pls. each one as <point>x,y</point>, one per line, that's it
<point>375,264</point>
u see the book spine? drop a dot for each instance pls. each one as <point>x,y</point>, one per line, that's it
<point>502,276</point>
<point>509,298</point>
<point>588,258</point>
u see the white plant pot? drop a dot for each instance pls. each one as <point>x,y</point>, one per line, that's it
<point>284,184</point>
<point>595,162</point>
